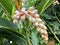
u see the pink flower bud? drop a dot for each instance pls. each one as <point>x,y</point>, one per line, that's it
<point>23,11</point>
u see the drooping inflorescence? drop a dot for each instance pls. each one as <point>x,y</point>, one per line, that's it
<point>32,15</point>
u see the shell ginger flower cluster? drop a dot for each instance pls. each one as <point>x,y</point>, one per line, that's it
<point>32,15</point>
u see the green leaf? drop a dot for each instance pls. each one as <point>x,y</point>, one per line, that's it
<point>34,38</point>
<point>13,36</point>
<point>43,5</point>
<point>1,11</point>
<point>5,42</point>
<point>7,5</point>
<point>49,3</point>
<point>1,40</point>
<point>8,24</point>
<point>29,3</point>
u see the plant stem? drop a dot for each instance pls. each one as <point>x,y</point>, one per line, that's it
<point>57,18</point>
<point>27,38</point>
<point>54,34</point>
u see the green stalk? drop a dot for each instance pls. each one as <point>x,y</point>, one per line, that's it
<point>54,34</point>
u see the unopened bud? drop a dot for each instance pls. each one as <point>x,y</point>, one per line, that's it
<point>38,29</point>
<point>36,24</point>
<point>38,20</point>
<point>34,12</point>
<point>31,8</point>
<point>32,19</point>
<point>43,26</point>
<point>24,12</point>
<point>23,17</point>
<point>36,15</point>
<point>16,16</point>
<point>15,21</point>
<point>44,37</point>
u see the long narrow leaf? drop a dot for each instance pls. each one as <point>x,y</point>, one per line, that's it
<point>49,3</point>
<point>13,36</point>
<point>7,4</point>
<point>34,39</point>
<point>43,5</point>
<point>8,24</point>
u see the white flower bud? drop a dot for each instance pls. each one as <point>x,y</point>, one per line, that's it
<point>36,15</point>
<point>38,20</point>
<point>45,32</point>
<point>23,17</point>
<point>16,16</point>
<point>34,12</point>
<point>46,38</point>
<point>36,24</point>
<point>31,8</point>
<point>15,21</point>
<point>38,29</point>
<point>43,26</point>
<point>31,19</point>
<point>43,36</point>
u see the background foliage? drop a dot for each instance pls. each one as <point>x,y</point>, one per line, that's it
<point>26,34</point>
